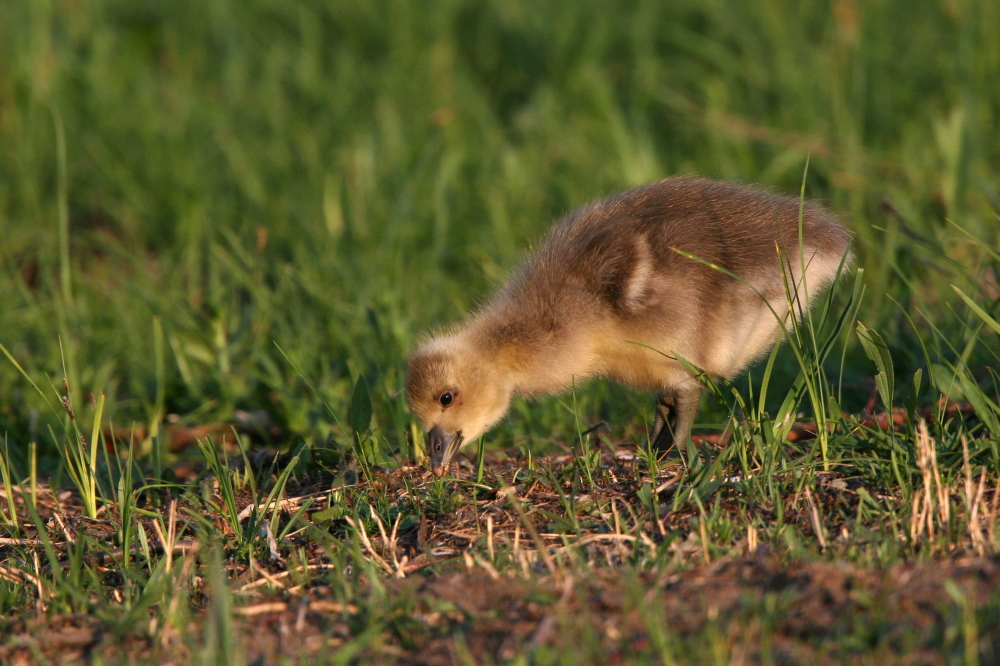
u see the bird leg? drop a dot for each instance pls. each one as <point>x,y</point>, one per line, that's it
<point>687,409</point>
<point>675,412</point>
<point>663,425</point>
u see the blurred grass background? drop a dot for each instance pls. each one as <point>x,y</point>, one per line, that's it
<point>185,185</point>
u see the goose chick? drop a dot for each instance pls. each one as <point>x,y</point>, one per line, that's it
<point>611,293</point>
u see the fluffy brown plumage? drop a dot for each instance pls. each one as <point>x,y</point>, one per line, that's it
<point>611,293</point>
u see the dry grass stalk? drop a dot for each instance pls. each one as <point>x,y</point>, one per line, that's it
<point>286,505</point>
<point>816,522</point>
<point>703,531</point>
<point>618,529</point>
<point>40,603</point>
<point>487,567</point>
<point>62,526</point>
<point>260,582</point>
<point>320,606</point>
<point>991,522</point>
<point>11,541</point>
<point>973,500</point>
<point>18,576</point>
<point>359,527</point>
<point>934,497</point>
<point>168,540</point>
<point>489,538</point>
<point>752,539</point>
<point>265,576</point>
<point>389,541</point>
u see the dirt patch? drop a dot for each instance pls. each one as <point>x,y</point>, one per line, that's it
<point>757,609</point>
<point>400,567</point>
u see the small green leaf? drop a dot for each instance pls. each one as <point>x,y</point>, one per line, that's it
<point>335,512</point>
<point>946,381</point>
<point>645,495</point>
<point>705,491</point>
<point>360,417</point>
<point>985,409</point>
<point>878,351</point>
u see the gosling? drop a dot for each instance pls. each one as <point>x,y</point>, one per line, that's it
<point>630,288</point>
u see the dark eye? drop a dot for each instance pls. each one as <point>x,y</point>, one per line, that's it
<point>445,399</point>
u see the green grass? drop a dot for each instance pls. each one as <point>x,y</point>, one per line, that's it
<point>210,210</point>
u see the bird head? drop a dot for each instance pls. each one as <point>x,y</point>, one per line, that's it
<point>458,393</point>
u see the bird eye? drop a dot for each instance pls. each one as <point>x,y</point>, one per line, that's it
<point>445,399</point>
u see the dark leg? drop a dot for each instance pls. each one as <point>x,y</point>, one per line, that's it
<point>666,419</point>
<point>675,412</point>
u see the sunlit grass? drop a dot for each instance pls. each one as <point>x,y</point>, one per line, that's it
<point>244,215</point>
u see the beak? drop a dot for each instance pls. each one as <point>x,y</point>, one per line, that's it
<point>443,448</point>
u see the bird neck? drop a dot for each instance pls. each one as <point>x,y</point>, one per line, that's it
<point>537,359</point>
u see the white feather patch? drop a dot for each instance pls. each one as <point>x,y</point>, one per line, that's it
<point>638,283</point>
